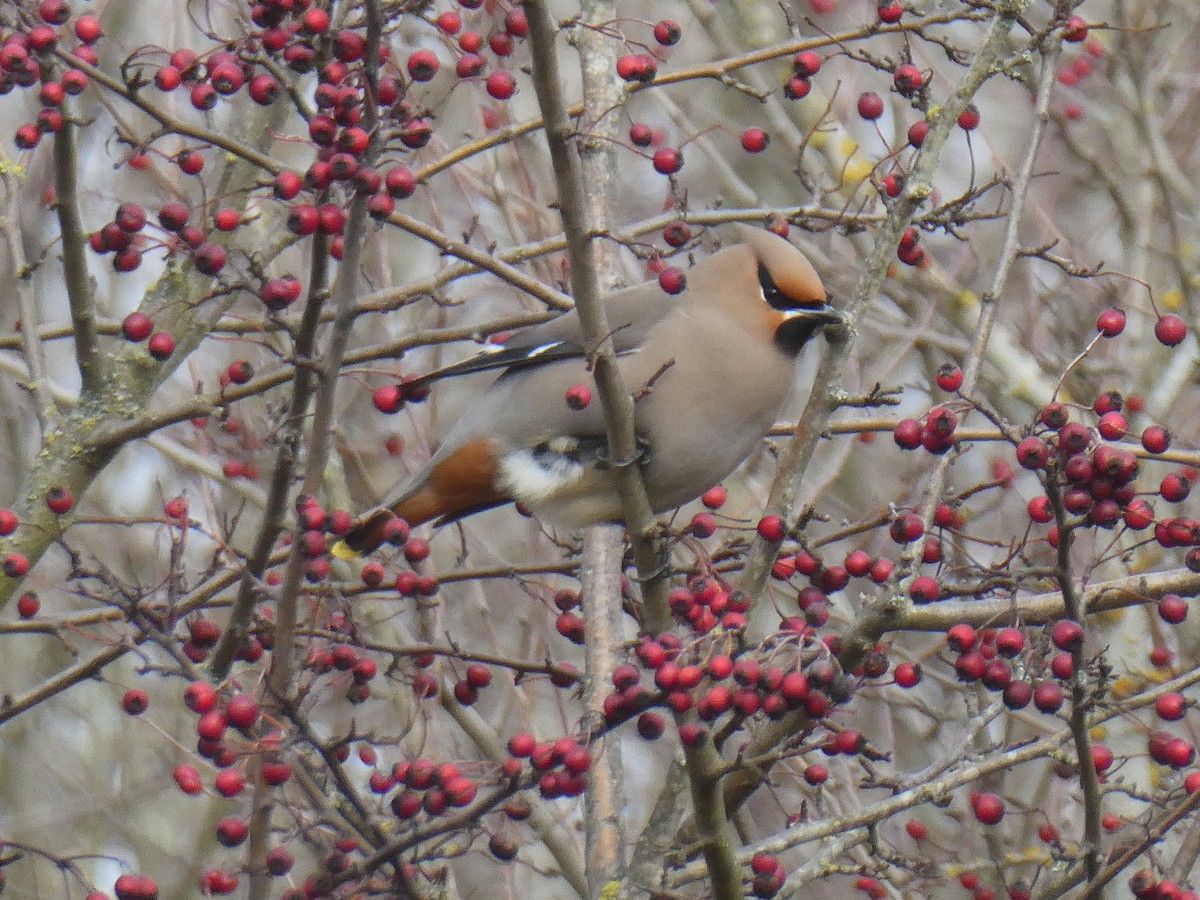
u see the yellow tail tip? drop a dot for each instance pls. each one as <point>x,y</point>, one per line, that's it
<point>342,550</point>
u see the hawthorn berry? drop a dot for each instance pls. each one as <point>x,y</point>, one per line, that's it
<point>667,32</point>
<point>264,89</point>
<point>1075,29</point>
<point>797,87</point>
<point>135,701</point>
<point>1033,453</point>
<point>772,528</point>
<point>230,782</point>
<point>232,831</point>
<point>1170,330</point>
<point>907,674</point>
<point>889,11</point>
<point>949,377</point>
<point>667,160</point>
<point>423,65</point>
<point>907,79</point>
<point>806,63</point>
<point>28,605</point>
<point>500,84</point>
<point>517,24</point>
<point>1172,609</point>
<point>988,808</point>
<point>1170,706</point>
<point>209,258</point>
<point>870,106</point>
<point>1111,322</point>
<point>161,345</point>
<point>1156,439</point>
<point>226,219</point>
<point>59,500</point>
<point>755,140</point>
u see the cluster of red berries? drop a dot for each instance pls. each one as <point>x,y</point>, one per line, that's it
<point>643,67</point>
<point>124,237</point>
<point>27,59</point>
<point>783,675</point>
<point>427,786</point>
<point>343,656</point>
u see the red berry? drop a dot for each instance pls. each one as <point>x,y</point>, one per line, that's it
<point>907,434</point>
<point>917,132</point>
<point>906,528</point>
<point>949,377</point>
<point>242,711</point>
<point>229,782</point>
<point>968,119</point>
<point>989,809</point>
<point>579,396</point>
<point>1170,706</point>
<point>501,43</point>
<point>1156,439</point>
<point>870,106</point>
<point>1075,29</point>
<point>771,528</point>
<point>1172,609</point>
<point>1111,322</point>
<point>672,279</point>
<point>227,78</point>
<point>1175,487</point>
<point>190,162</point>
<point>755,140</point>
<point>15,565</point>
<point>961,638</point>
<point>264,89</point>
<point>516,23</point>
<point>501,85</point>
<point>890,11</point>
<point>1067,634</point>
<point>136,326</point>
<point>135,702</point>
<point>209,258</point>
<point>1170,330</point>
<point>161,345</point>
<point>923,589</point>
<point>226,219</point>
<point>667,32</point>
<point>806,63</point>
<point>27,137</point>
<point>28,605</point>
<point>797,87</point>
<point>640,135</point>
<point>1033,453</point>
<point>423,65</point>
<point>59,500</point>
<point>667,160</point>
<point>287,185</point>
<point>908,79</point>
<point>1047,696</point>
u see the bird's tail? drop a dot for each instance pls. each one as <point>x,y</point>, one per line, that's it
<point>372,530</point>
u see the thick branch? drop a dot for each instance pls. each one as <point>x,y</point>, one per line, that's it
<point>74,242</point>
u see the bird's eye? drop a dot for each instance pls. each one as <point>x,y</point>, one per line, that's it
<point>770,290</point>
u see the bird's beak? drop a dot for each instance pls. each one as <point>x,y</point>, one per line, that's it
<point>818,316</point>
<point>800,325</point>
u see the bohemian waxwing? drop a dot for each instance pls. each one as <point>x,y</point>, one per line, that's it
<point>719,359</point>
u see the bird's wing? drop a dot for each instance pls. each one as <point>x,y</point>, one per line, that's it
<point>631,313</point>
